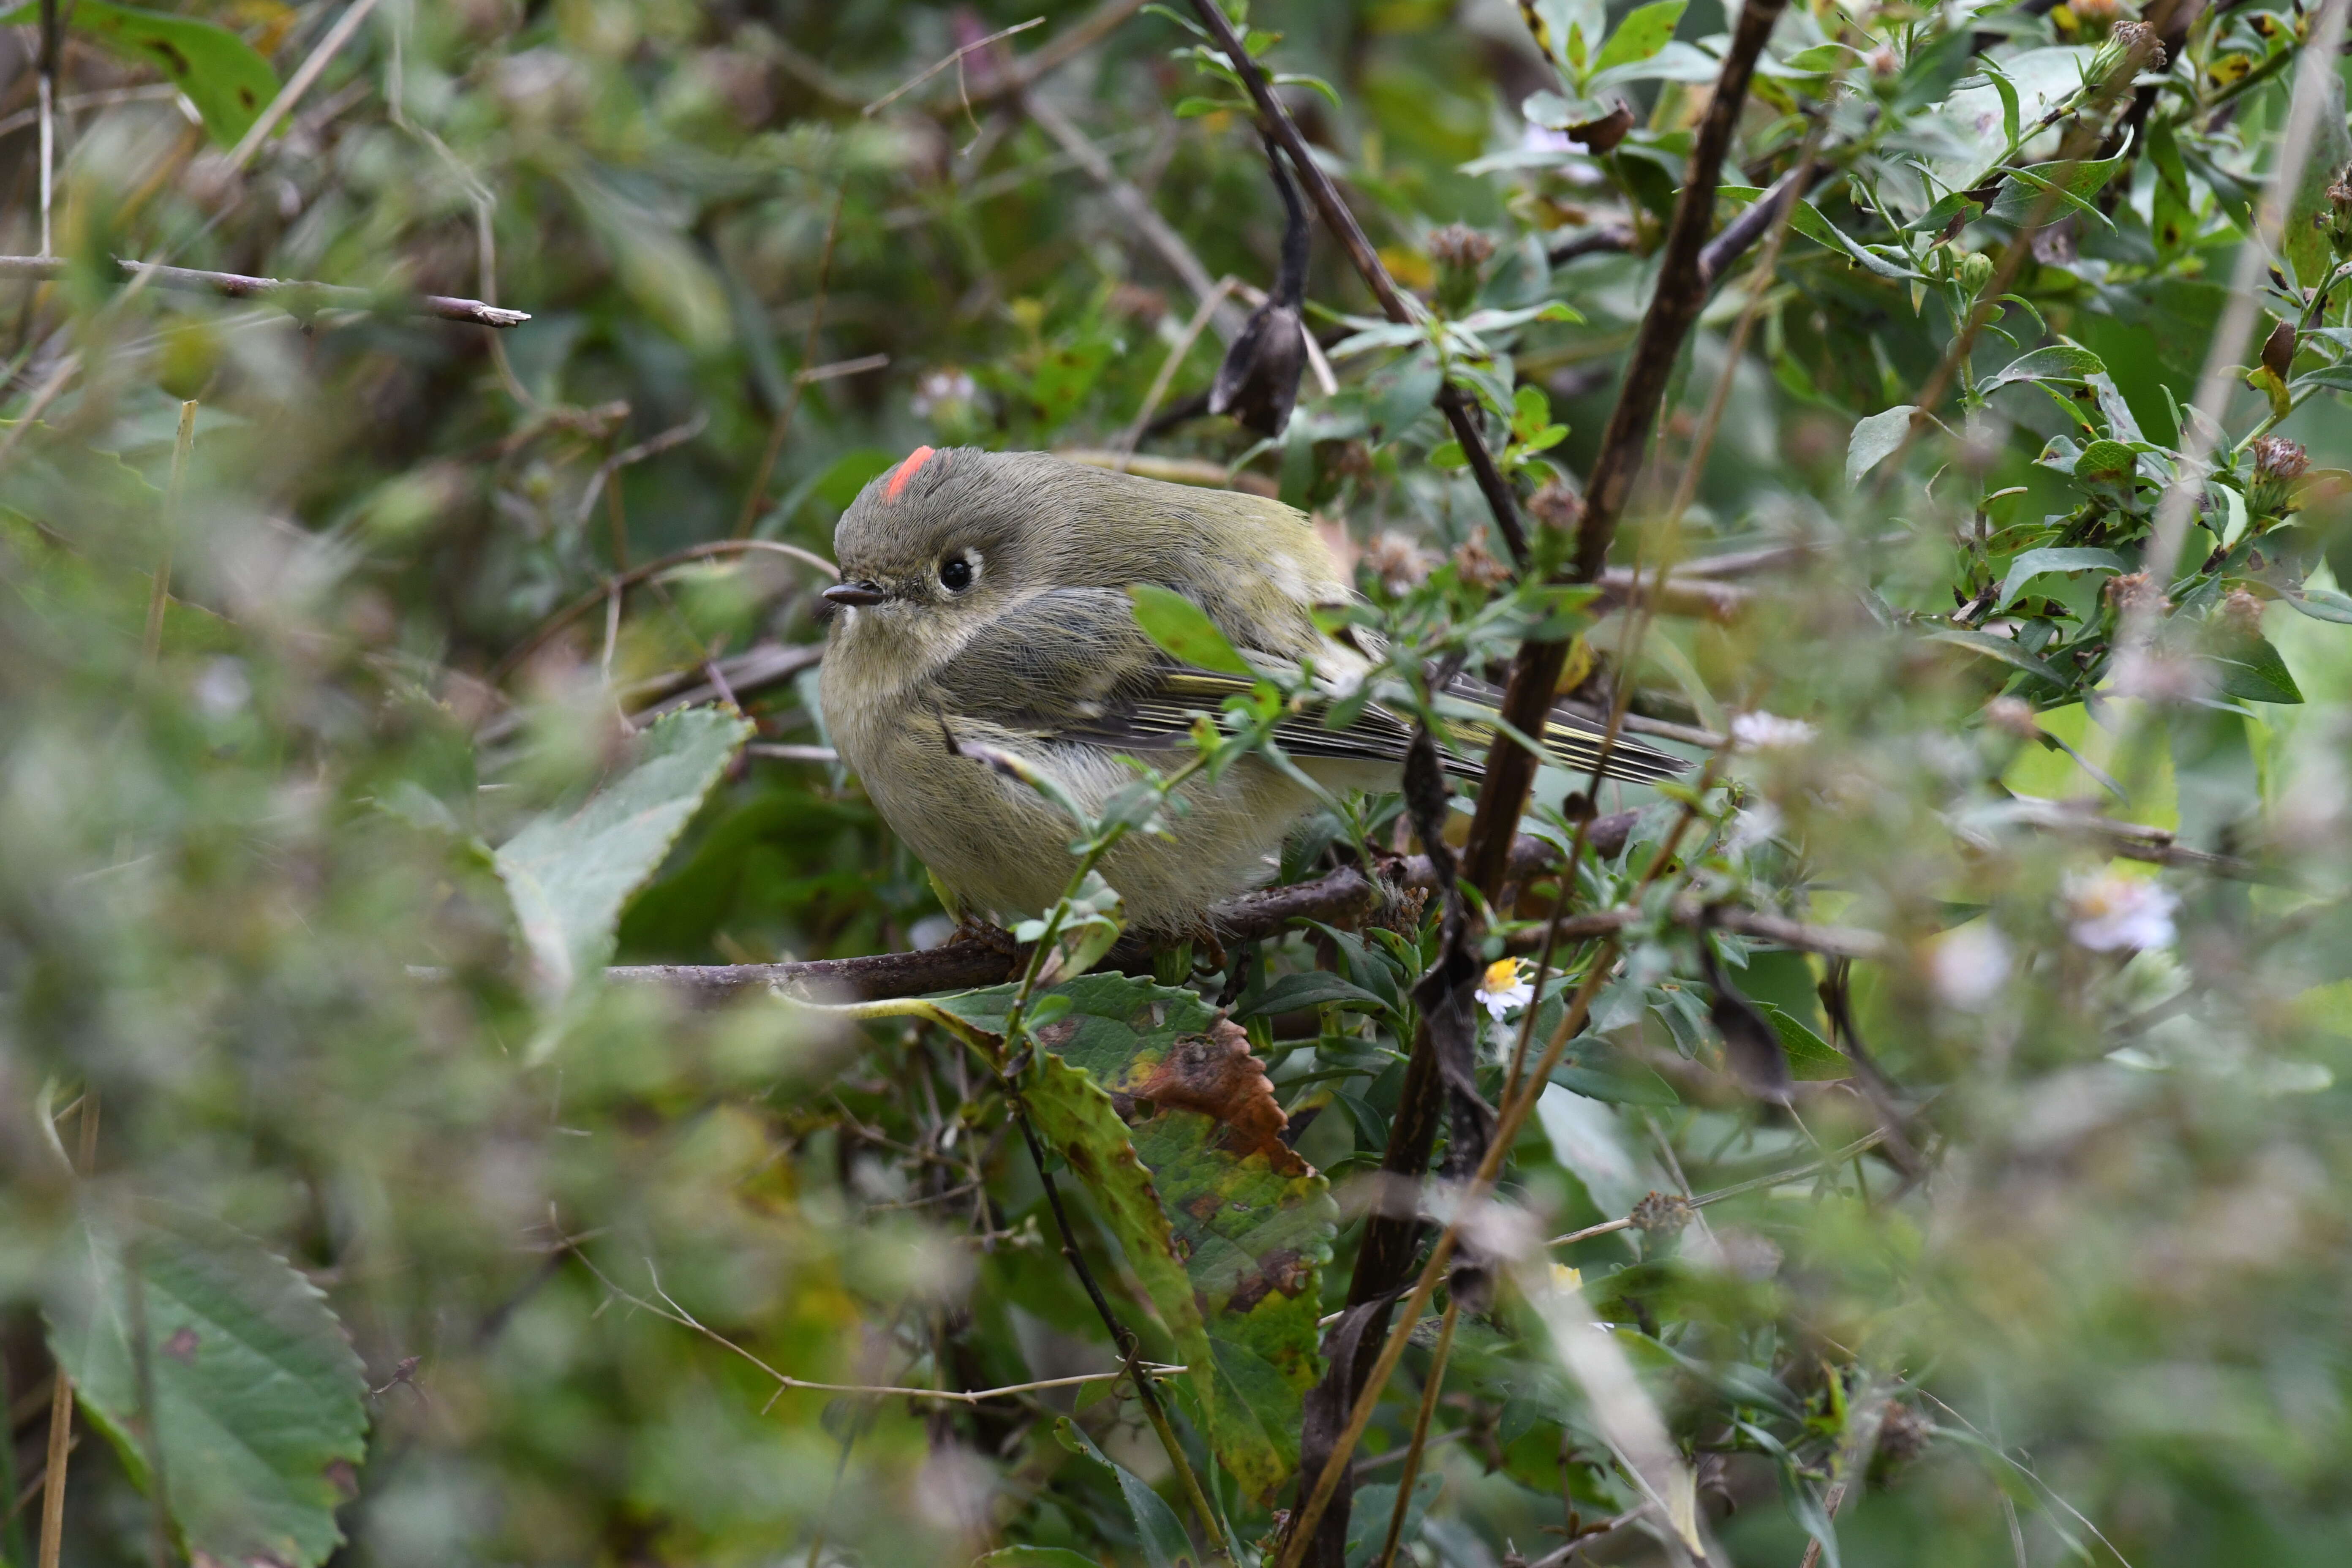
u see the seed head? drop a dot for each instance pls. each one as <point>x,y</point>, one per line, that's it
<point>1459,245</point>
<point>1662,1213</point>
<point>2276,458</point>
<point>1556,505</point>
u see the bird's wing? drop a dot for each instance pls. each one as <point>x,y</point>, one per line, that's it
<point>1073,665</point>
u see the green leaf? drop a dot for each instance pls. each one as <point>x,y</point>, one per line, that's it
<point>1184,631</point>
<point>1811,1057</point>
<point>1594,1084</point>
<point>1186,109</point>
<point>258,1409</point>
<point>1165,1545</point>
<point>2025,188</point>
<point>2320,604</point>
<point>2059,362</point>
<point>1074,1115</point>
<point>569,873</point>
<point>224,76</point>
<point>1316,988</point>
<point>1043,1556</point>
<point>2107,462</point>
<point>2252,671</point>
<point>1644,31</point>
<point>2005,649</point>
<point>1253,1223</point>
<point>2032,563</point>
<point>1874,438</point>
<point>1226,1227</point>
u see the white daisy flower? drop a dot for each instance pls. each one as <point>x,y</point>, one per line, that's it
<point>2108,912</point>
<point>1770,732</point>
<point>1504,987</point>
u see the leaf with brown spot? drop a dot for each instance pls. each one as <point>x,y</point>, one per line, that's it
<point>1151,1092</point>
<point>256,1398</point>
<point>224,77</point>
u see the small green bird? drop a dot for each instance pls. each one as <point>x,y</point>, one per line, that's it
<point>983,599</point>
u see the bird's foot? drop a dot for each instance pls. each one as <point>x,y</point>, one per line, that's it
<point>971,928</point>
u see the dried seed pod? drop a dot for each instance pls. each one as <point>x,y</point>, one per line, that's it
<point>1662,1215</point>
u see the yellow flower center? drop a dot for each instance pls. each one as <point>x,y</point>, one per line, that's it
<point>1501,974</point>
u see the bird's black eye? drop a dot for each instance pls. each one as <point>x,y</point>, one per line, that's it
<point>955,573</point>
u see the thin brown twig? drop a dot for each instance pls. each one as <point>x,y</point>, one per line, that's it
<point>652,447</point>
<point>667,1307</point>
<point>301,299</point>
<point>2176,509</point>
<point>1202,314</point>
<point>919,78</point>
<point>1340,222</point>
<point>1861,1145</point>
<point>1309,1514</point>
<point>61,1395</point>
<point>1430,1389</point>
<point>1057,51</point>
<point>1134,205</point>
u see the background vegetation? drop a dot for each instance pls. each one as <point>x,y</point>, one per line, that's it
<point>361,697</point>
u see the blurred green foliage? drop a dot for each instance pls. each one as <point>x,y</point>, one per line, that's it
<point>274,1037</point>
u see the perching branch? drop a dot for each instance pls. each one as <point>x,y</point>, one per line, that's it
<point>1346,894</point>
<point>299,299</point>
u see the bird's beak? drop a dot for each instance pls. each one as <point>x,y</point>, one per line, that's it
<point>854,593</point>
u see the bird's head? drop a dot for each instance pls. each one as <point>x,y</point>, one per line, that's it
<point>930,549</point>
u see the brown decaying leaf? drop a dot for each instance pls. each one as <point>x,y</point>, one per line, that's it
<point>1217,1075</point>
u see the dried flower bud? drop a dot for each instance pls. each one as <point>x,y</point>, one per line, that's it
<point>1601,135</point>
<point>2278,350</point>
<point>1903,1434</point>
<point>2142,48</point>
<point>1662,1214</point>
<point>1397,562</point>
<point>1883,65</point>
<point>2013,715</point>
<point>2276,458</point>
<point>1476,566</point>
<point>1459,245</point>
<point>1556,505</point>
<point>1459,252</point>
<point>2336,221</point>
<point>2240,613</point>
<point>2135,590</point>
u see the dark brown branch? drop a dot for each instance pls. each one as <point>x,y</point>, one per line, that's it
<point>1681,293</point>
<point>1610,239</point>
<point>299,298</point>
<point>1274,119</point>
<point>1341,896</point>
<point>1751,226</point>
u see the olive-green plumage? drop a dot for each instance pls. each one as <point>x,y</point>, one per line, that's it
<point>985,599</point>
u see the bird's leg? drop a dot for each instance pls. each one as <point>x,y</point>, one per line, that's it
<point>970,925</point>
